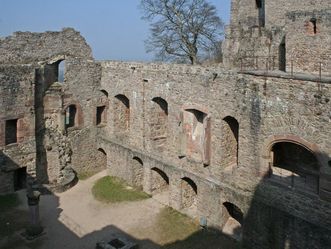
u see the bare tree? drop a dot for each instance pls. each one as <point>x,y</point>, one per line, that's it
<point>181,29</point>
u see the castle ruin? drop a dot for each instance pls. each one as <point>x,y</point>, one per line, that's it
<point>248,140</point>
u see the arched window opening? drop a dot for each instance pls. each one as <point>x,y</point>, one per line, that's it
<point>162,103</point>
<point>70,116</point>
<point>60,71</point>
<point>101,159</point>
<point>234,212</point>
<point>102,151</point>
<point>104,92</point>
<point>197,135</point>
<point>311,26</point>
<point>101,115</point>
<point>159,122</point>
<point>137,172</point>
<point>232,220</point>
<point>121,113</point>
<point>282,55</point>
<point>294,166</point>
<point>230,141</point>
<point>189,198</point>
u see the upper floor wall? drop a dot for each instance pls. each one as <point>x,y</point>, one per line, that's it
<point>279,35</point>
<point>266,13</point>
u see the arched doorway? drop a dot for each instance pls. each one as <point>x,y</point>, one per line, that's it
<point>230,141</point>
<point>137,172</point>
<point>189,196</point>
<point>121,113</point>
<point>101,159</point>
<point>294,166</point>
<point>232,220</point>
<point>160,185</point>
<point>159,122</point>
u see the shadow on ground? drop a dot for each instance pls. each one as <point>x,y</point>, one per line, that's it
<point>58,235</point>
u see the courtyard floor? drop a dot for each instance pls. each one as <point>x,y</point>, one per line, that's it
<point>74,219</point>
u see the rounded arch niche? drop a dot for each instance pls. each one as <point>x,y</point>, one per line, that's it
<point>294,163</point>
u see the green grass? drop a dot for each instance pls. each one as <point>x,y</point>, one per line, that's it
<point>178,231</point>
<point>111,189</point>
<point>173,225</point>
<point>83,175</point>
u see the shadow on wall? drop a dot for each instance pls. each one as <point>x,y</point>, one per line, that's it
<point>268,223</point>
<point>14,176</point>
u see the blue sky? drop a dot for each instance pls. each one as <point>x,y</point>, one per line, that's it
<point>113,28</point>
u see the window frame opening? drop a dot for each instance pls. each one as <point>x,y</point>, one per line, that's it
<point>70,116</point>
<point>11,127</point>
<point>260,5</point>
<point>101,115</point>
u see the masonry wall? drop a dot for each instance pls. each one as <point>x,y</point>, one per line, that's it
<point>309,51</point>
<point>248,45</point>
<point>268,109</point>
<point>17,97</point>
<point>33,95</point>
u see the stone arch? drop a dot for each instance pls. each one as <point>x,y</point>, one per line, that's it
<point>102,158</point>
<point>189,196</point>
<point>121,113</point>
<point>296,173</point>
<point>159,121</point>
<point>101,109</point>
<point>160,185</point>
<point>104,92</point>
<point>313,148</point>
<point>137,172</point>
<point>230,141</point>
<point>232,220</point>
<point>294,166</point>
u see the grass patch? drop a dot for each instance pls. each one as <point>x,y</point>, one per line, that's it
<point>8,202</point>
<point>173,225</point>
<point>111,189</point>
<point>178,231</point>
<point>83,175</point>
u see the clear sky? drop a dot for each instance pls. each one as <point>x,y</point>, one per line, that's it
<point>113,28</point>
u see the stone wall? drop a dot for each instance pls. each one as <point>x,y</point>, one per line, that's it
<point>16,109</point>
<point>267,109</point>
<point>250,45</point>
<point>307,50</point>
<point>33,97</point>
<point>28,47</point>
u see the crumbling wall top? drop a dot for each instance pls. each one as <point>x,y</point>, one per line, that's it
<point>29,47</point>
